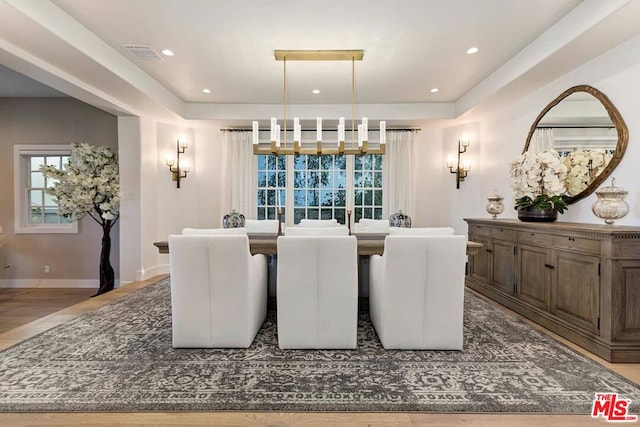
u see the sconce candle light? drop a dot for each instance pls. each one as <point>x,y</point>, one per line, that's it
<point>461,169</point>
<point>179,171</point>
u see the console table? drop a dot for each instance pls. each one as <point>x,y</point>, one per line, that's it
<point>581,281</point>
<point>368,244</point>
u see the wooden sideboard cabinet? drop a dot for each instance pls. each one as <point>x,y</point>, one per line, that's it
<point>581,281</point>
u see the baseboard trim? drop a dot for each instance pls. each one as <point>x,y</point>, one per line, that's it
<point>151,272</point>
<point>49,283</point>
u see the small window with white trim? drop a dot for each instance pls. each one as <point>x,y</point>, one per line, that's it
<point>36,211</point>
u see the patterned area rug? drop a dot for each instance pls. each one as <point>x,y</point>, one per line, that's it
<point>119,358</point>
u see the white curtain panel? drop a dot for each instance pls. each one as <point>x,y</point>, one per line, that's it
<point>399,169</point>
<point>239,174</point>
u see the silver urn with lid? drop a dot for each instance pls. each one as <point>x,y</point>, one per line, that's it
<point>495,205</point>
<point>610,204</point>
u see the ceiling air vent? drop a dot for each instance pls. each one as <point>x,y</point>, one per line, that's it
<point>143,52</point>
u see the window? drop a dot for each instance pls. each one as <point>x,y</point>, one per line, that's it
<point>35,210</point>
<point>272,173</point>
<point>367,183</point>
<point>321,187</point>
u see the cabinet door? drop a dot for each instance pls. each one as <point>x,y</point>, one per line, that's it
<point>533,279</point>
<point>502,262</point>
<point>479,263</point>
<point>575,289</point>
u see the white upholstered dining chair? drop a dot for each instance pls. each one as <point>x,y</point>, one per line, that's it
<point>258,226</point>
<point>416,292</point>
<point>218,291</point>
<point>317,292</point>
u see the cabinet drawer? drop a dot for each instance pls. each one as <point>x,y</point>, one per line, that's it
<point>577,243</point>
<point>534,238</point>
<point>503,234</point>
<point>478,230</point>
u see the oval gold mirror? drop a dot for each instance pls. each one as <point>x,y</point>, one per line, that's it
<point>588,132</point>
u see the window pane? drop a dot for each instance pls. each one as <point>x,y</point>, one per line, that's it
<point>300,179</point>
<point>377,180</point>
<point>358,198</point>
<point>312,162</point>
<point>50,200</point>
<point>262,213</point>
<point>326,197</point>
<point>341,162</point>
<point>313,180</point>
<point>326,213</point>
<point>282,163</point>
<point>37,180</point>
<point>282,179</point>
<point>341,198</point>
<point>271,197</point>
<point>271,162</point>
<point>377,213</point>
<point>271,213</point>
<point>313,198</point>
<point>262,162</point>
<point>50,182</point>
<point>340,215</point>
<point>326,162</point>
<point>298,214</point>
<point>357,164</point>
<point>340,179</point>
<point>357,179</point>
<point>51,215</point>
<point>377,162</point>
<point>35,215</point>
<point>300,162</point>
<point>35,198</point>
<point>53,161</point>
<point>358,214</point>
<point>36,162</point>
<point>262,197</point>
<point>313,213</point>
<point>368,198</point>
<point>377,197</point>
<point>326,179</point>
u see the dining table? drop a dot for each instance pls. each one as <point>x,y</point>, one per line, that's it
<point>368,244</point>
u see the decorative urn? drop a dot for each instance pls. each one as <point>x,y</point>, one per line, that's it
<point>610,204</point>
<point>233,220</point>
<point>400,219</point>
<point>495,205</point>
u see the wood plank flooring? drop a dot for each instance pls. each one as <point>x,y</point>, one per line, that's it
<point>265,419</point>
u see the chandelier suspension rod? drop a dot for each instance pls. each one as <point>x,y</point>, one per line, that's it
<point>353,97</point>
<point>284,62</point>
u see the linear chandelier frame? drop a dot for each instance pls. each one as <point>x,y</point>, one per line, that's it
<point>359,146</point>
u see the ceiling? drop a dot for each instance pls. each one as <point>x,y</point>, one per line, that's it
<point>410,47</point>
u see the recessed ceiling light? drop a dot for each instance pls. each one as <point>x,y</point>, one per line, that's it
<point>315,91</point>
<point>205,90</point>
<point>167,52</point>
<point>472,50</point>
<point>434,90</point>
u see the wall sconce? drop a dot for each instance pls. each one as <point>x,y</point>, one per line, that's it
<point>460,168</point>
<point>178,171</point>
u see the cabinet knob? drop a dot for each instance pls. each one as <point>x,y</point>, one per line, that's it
<point>550,266</point>
<point>490,250</point>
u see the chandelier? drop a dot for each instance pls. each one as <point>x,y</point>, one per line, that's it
<point>278,143</point>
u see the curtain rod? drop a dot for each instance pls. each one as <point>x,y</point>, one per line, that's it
<point>323,130</point>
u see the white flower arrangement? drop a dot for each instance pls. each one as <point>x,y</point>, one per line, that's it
<point>539,180</point>
<point>583,166</point>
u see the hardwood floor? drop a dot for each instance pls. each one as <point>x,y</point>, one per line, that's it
<point>23,305</point>
<point>266,419</point>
